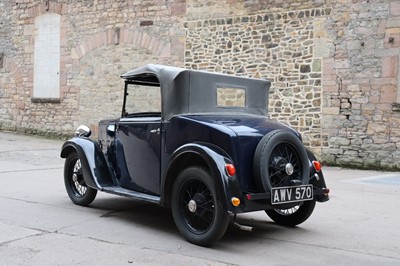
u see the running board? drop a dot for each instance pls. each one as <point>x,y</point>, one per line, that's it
<point>131,194</point>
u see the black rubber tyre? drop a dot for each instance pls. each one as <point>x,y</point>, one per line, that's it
<point>275,153</point>
<point>77,190</point>
<point>197,213</point>
<point>292,216</point>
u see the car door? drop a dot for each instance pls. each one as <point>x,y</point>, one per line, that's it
<point>138,144</point>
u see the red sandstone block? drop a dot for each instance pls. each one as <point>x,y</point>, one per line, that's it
<point>35,11</point>
<point>178,9</point>
<point>328,78</point>
<point>328,66</point>
<point>75,63</point>
<point>72,89</point>
<point>394,8</point>
<point>18,79</point>
<point>79,51</point>
<point>30,75</point>
<point>145,40</point>
<point>384,81</point>
<point>374,99</point>
<point>92,44</point>
<point>104,37</point>
<point>156,45</point>
<point>392,40</point>
<point>381,27</point>
<point>20,105</point>
<point>137,38</point>
<point>95,41</point>
<point>129,36</point>
<point>58,8</point>
<point>160,48</point>
<point>390,66</point>
<point>151,43</point>
<point>388,94</point>
<point>125,35</point>
<point>63,43</point>
<point>63,78</point>
<point>179,48</point>
<point>122,36</point>
<point>64,9</point>
<point>87,47</point>
<point>385,107</point>
<point>110,36</point>
<point>330,88</point>
<point>166,51</point>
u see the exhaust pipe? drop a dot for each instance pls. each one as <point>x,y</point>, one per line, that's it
<point>243,227</point>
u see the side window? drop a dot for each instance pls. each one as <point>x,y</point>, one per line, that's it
<point>46,80</point>
<point>143,101</point>
<point>231,97</point>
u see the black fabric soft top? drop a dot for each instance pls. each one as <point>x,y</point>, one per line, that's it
<point>186,91</point>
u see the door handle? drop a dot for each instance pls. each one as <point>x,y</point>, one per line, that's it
<point>155,131</point>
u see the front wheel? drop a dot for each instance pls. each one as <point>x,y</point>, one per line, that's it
<point>197,213</point>
<point>292,216</point>
<point>77,190</point>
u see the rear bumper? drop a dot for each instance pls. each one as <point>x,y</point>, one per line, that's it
<point>262,201</point>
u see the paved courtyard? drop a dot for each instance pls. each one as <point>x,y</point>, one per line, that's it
<point>40,226</point>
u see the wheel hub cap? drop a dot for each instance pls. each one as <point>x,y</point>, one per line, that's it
<point>289,169</point>
<point>74,177</point>
<point>192,206</point>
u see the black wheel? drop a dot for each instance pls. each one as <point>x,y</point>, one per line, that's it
<point>280,160</point>
<point>77,190</point>
<point>197,213</point>
<point>292,216</point>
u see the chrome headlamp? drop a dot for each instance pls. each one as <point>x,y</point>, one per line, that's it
<point>83,131</point>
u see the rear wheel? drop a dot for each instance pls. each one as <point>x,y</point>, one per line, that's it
<point>281,160</point>
<point>292,216</point>
<point>197,213</point>
<point>77,190</point>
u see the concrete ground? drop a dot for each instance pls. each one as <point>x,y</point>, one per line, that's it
<point>39,225</point>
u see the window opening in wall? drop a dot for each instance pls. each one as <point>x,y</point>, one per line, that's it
<point>46,79</point>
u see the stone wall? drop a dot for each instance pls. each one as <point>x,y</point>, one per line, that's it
<point>100,40</point>
<point>361,84</point>
<point>275,46</point>
<point>334,64</point>
<point>342,93</point>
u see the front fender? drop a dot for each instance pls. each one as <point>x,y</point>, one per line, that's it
<point>96,172</point>
<point>215,160</point>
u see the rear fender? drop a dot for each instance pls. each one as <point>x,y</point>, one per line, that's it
<point>214,160</point>
<point>317,180</point>
<point>96,172</point>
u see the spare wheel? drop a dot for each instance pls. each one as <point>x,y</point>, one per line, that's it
<point>280,160</point>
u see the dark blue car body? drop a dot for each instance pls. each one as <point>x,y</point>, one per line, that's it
<point>142,155</point>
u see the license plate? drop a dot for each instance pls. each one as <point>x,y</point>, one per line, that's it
<point>281,195</point>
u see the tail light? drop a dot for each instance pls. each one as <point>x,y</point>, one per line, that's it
<point>230,169</point>
<point>317,166</point>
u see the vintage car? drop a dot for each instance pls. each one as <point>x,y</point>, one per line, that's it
<point>200,143</point>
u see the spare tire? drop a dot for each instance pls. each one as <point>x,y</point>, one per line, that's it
<point>280,160</point>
